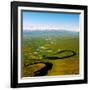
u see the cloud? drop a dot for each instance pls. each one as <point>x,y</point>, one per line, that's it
<point>42,27</point>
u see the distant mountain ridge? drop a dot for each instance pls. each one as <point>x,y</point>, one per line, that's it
<point>41,33</point>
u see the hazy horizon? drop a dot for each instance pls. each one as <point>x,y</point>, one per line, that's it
<point>50,30</point>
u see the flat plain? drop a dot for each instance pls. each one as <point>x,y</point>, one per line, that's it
<point>41,57</point>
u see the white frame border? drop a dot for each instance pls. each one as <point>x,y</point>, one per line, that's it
<point>52,78</point>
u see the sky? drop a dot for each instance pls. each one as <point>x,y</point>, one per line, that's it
<point>50,21</point>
